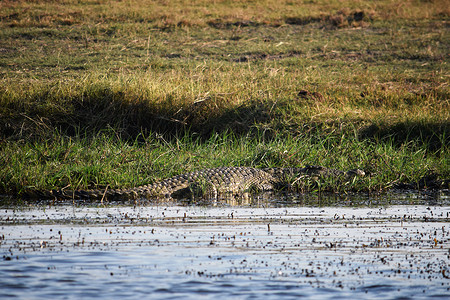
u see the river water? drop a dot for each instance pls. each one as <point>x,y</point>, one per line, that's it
<point>389,247</point>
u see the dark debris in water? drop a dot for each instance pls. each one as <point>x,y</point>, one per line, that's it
<point>396,248</point>
<point>405,195</point>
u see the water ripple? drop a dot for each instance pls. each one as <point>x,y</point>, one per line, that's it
<point>187,252</point>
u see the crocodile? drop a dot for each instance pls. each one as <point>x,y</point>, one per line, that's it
<point>212,183</point>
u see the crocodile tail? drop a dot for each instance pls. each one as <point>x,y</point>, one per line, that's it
<point>148,191</point>
<point>36,194</point>
<point>94,194</point>
<point>77,194</point>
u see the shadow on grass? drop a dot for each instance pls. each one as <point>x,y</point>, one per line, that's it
<point>43,115</point>
<point>99,109</point>
<point>432,135</point>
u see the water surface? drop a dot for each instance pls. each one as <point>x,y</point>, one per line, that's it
<point>290,248</point>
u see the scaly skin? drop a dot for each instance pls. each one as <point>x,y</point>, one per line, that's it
<point>212,182</point>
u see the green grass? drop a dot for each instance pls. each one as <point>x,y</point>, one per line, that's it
<point>106,160</point>
<point>127,92</point>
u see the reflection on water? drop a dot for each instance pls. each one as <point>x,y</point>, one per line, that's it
<point>289,247</point>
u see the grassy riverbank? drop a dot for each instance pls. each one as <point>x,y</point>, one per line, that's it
<point>124,93</point>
